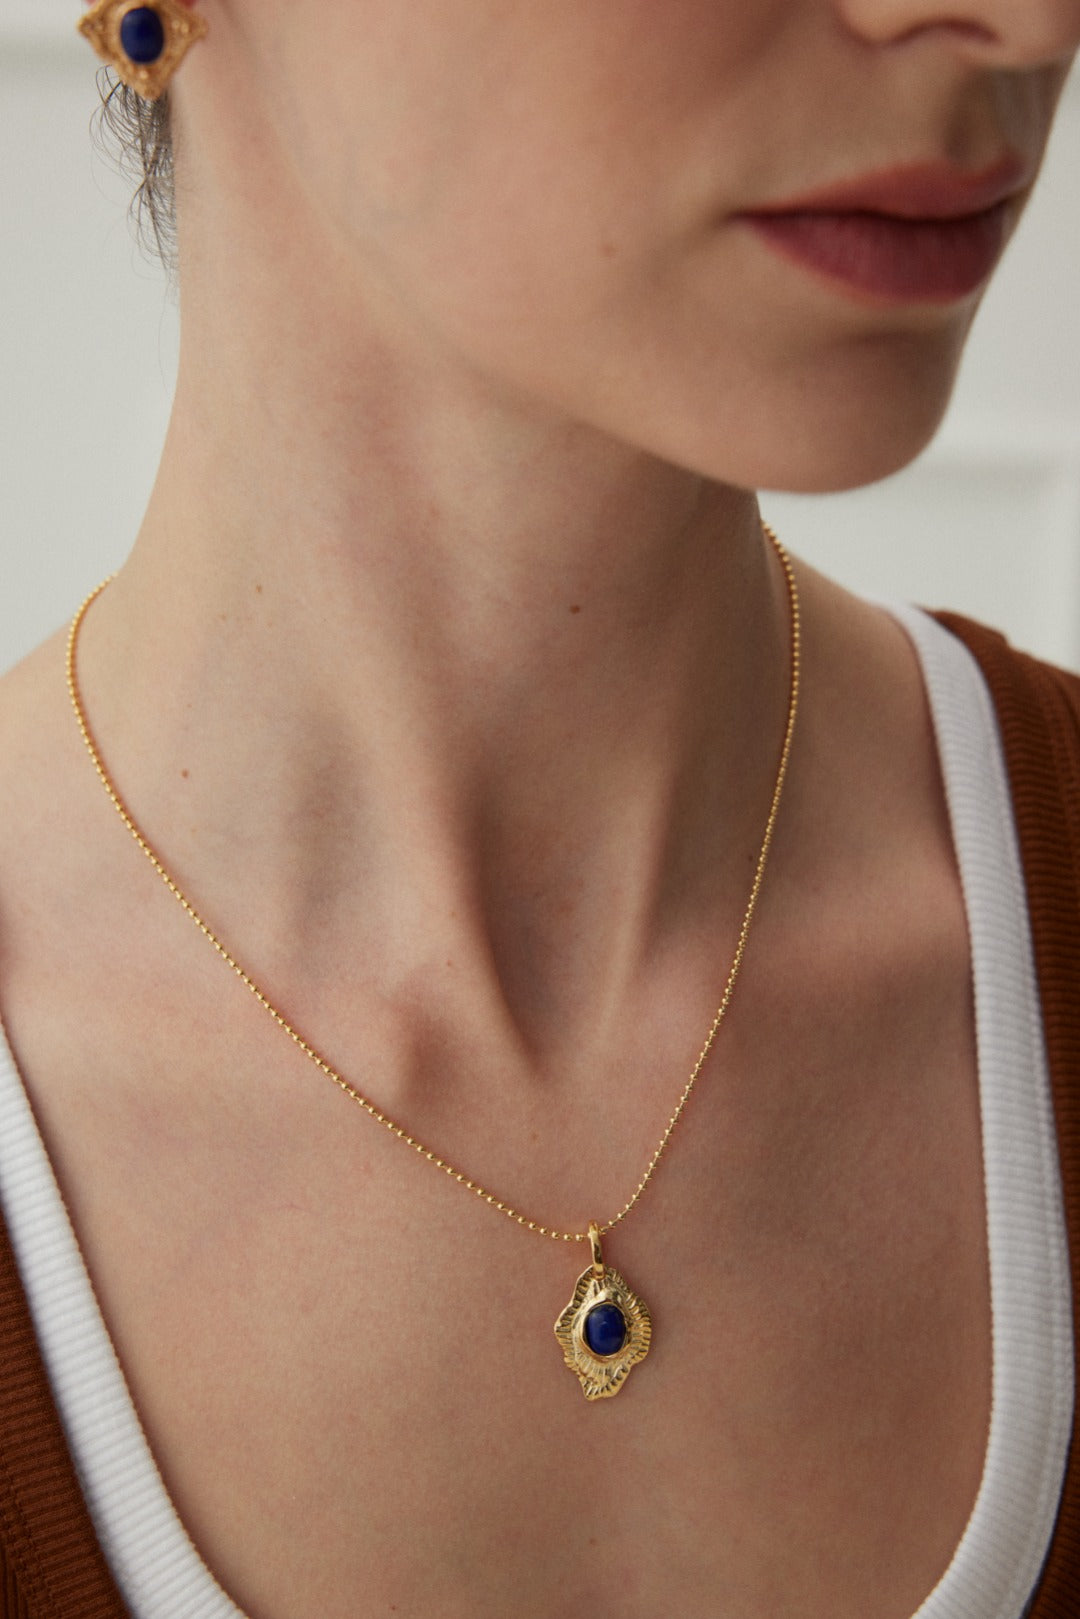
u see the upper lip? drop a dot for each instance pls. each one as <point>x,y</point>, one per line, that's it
<point>914,191</point>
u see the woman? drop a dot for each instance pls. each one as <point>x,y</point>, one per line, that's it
<point>448,679</point>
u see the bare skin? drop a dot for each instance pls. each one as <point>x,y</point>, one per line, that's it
<point>448,674</point>
<point>311,1319</point>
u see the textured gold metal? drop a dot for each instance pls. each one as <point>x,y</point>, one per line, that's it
<point>553,1232</point>
<point>602,1376</point>
<point>183,26</point>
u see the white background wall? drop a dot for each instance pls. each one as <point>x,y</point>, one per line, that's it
<point>988,521</point>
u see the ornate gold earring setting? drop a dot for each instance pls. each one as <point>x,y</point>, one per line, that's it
<point>144,42</point>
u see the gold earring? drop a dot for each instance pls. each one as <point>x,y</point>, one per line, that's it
<point>143,40</point>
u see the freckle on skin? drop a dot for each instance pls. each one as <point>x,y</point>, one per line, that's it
<point>575,609</point>
<point>184,773</point>
<point>258,590</point>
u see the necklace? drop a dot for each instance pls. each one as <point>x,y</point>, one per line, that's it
<point>605,1329</point>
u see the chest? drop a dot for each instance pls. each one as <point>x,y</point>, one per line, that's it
<point>347,1369</point>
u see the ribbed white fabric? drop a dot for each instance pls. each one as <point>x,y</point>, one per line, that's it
<point>1003,1547</point>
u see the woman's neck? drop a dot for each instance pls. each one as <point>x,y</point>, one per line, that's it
<point>402,666</point>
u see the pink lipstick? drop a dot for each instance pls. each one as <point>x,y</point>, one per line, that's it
<point>922,234</point>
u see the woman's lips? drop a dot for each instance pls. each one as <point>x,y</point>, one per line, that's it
<point>889,257</point>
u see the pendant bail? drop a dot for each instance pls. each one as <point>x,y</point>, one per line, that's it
<point>597,1256</point>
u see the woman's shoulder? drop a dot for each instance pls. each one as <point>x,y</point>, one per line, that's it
<point>48,859</point>
<point>31,689</point>
<point>32,741</point>
<point>1037,707</point>
<point>1020,683</point>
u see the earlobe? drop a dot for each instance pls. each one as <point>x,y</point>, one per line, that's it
<point>144,41</point>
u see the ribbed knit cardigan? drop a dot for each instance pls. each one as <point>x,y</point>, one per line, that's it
<point>51,1565</point>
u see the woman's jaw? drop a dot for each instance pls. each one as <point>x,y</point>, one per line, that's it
<point>599,219</point>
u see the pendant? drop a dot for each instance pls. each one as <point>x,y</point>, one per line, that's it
<point>605,1329</point>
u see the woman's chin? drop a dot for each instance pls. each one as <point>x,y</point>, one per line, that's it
<point>822,454</point>
<point>869,417</point>
<point>836,416</point>
<point>847,440</point>
<point>842,467</point>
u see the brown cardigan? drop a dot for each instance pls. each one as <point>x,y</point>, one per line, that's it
<point>51,1566</point>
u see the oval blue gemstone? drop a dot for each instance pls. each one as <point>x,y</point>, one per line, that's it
<point>142,34</point>
<point>605,1329</point>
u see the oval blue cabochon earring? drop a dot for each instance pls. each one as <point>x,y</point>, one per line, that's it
<point>144,41</point>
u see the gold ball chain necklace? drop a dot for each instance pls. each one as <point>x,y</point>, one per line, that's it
<point>606,1328</point>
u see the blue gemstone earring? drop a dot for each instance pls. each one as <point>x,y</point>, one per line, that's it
<point>143,40</point>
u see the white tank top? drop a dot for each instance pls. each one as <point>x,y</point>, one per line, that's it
<point>997,1563</point>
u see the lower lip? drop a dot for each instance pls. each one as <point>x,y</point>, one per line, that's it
<point>887,258</point>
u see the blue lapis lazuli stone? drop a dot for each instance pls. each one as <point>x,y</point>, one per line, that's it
<point>142,34</point>
<point>605,1329</point>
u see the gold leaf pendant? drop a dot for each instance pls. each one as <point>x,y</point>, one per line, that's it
<point>605,1329</point>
